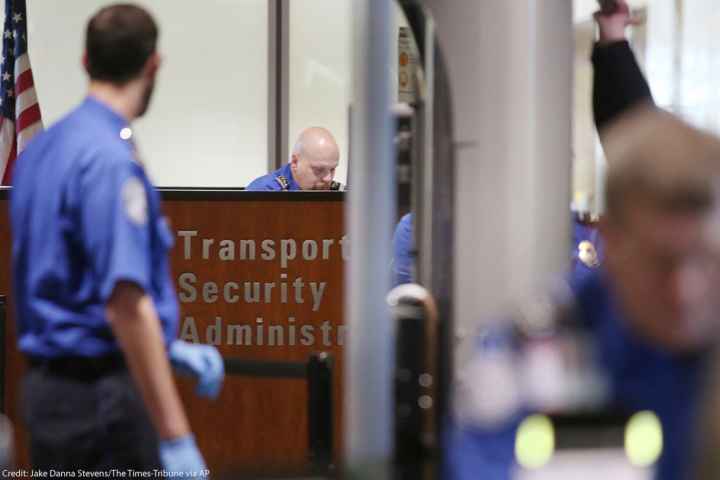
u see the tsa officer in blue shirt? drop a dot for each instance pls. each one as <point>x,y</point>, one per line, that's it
<point>650,301</point>
<point>653,306</point>
<point>312,165</point>
<point>97,314</point>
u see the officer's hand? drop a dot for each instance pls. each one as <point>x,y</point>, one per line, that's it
<point>611,25</point>
<point>181,458</point>
<point>201,361</point>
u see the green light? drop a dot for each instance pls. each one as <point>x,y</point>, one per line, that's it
<point>643,439</point>
<point>535,442</point>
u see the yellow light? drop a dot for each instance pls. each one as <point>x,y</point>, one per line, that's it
<point>535,442</point>
<point>643,439</point>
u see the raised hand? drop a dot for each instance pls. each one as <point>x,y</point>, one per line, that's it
<point>612,19</point>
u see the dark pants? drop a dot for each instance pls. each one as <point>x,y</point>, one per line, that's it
<point>86,418</point>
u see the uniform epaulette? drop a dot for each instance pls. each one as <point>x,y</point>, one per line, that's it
<point>284,184</point>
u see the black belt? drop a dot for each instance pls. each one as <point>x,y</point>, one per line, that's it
<point>80,367</point>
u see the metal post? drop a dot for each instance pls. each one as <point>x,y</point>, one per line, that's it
<point>278,82</point>
<point>425,193</point>
<point>511,63</point>
<point>434,206</point>
<point>320,411</point>
<point>371,212</point>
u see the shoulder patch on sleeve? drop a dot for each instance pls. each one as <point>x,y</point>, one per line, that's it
<point>284,184</point>
<point>134,199</point>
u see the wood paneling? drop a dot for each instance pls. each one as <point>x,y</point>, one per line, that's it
<point>14,363</point>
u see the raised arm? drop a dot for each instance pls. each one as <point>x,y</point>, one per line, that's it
<point>618,82</point>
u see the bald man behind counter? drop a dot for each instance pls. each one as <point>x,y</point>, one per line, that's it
<point>312,165</point>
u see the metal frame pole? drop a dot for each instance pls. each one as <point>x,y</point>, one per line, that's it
<point>371,213</point>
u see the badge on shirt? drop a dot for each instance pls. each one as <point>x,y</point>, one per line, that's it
<point>587,254</point>
<point>135,200</point>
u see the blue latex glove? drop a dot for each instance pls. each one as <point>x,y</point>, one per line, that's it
<point>200,361</point>
<point>181,457</point>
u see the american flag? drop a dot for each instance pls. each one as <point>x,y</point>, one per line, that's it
<point>19,107</point>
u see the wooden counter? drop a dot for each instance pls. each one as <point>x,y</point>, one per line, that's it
<point>259,274</point>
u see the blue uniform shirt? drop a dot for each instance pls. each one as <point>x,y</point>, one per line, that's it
<point>272,183</point>
<point>642,377</point>
<point>84,217</point>
<point>645,377</point>
<point>403,256</point>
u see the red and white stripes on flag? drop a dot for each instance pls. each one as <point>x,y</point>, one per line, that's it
<point>21,118</point>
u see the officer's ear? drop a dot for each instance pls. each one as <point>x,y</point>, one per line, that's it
<point>152,65</point>
<point>85,62</point>
<point>294,161</point>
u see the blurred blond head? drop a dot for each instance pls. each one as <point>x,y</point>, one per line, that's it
<point>654,157</point>
<point>661,227</point>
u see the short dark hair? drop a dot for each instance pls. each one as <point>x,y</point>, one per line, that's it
<point>119,40</point>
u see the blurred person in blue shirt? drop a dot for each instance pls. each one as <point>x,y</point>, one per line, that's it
<point>96,308</point>
<point>403,266</point>
<point>652,309</point>
<point>312,165</point>
<point>651,306</point>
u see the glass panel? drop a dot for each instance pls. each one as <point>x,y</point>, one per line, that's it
<point>320,71</point>
<point>207,125</point>
<point>320,83</point>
